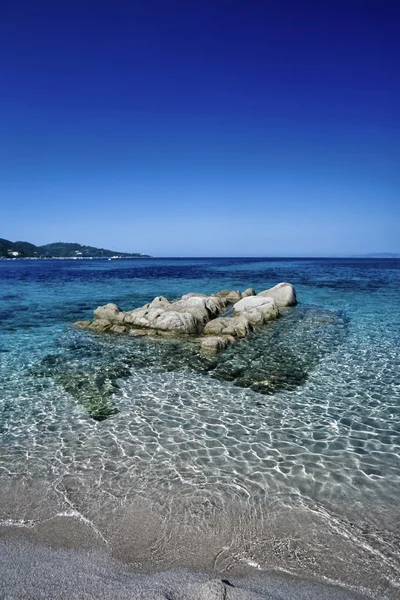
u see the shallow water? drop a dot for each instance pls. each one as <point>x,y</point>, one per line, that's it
<point>283,452</point>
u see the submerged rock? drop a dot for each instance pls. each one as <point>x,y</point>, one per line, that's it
<point>100,325</point>
<point>282,355</point>
<point>91,385</point>
<point>268,359</point>
<point>214,321</point>
<point>83,324</point>
<point>213,343</point>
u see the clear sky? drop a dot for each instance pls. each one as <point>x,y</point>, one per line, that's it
<point>202,128</point>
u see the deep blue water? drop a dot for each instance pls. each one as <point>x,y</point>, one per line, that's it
<point>302,417</point>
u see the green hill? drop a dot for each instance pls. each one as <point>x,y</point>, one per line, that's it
<point>10,249</point>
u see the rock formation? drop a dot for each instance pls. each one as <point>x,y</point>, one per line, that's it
<point>256,310</point>
<point>284,294</point>
<point>214,321</point>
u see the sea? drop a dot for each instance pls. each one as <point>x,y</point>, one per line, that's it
<point>280,454</point>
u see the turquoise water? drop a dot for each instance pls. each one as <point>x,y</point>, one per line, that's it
<point>283,452</point>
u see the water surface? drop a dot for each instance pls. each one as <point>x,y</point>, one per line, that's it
<point>281,453</point>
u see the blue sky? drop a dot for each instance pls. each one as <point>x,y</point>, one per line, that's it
<point>208,128</point>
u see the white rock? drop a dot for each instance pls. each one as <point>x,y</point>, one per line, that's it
<point>193,295</point>
<point>202,308</point>
<point>248,292</point>
<point>159,301</point>
<point>176,322</point>
<point>163,320</point>
<point>233,297</point>
<point>222,293</point>
<point>284,294</point>
<point>109,312</point>
<point>234,326</point>
<point>195,314</point>
<point>258,310</point>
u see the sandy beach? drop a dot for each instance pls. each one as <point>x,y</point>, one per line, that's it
<point>33,571</point>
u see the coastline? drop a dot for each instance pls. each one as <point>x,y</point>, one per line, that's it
<point>36,569</point>
<point>74,257</point>
<point>134,544</point>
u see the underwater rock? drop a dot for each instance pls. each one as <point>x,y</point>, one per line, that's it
<point>278,356</point>
<point>83,324</point>
<point>119,329</point>
<point>224,316</point>
<point>282,355</point>
<point>92,386</point>
<point>284,294</point>
<point>213,343</point>
<point>100,325</point>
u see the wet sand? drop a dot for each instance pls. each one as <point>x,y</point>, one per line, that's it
<point>33,571</point>
<point>63,561</point>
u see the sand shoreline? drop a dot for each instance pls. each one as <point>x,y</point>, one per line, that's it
<point>34,567</point>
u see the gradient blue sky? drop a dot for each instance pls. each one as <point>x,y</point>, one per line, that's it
<point>220,128</point>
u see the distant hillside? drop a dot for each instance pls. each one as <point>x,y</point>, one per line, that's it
<point>57,250</point>
<point>379,255</point>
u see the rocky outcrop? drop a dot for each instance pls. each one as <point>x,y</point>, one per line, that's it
<point>256,310</point>
<point>234,326</point>
<point>233,297</point>
<point>248,292</point>
<point>185,316</point>
<point>284,294</point>
<point>215,321</point>
<point>109,312</point>
<point>162,320</point>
